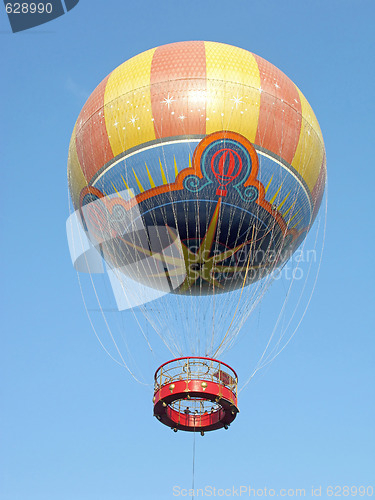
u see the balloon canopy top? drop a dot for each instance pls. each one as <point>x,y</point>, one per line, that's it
<point>195,394</point>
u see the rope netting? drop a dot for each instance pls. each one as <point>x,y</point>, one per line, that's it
<point>194,273</point>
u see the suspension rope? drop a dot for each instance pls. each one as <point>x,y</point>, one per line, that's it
<point>193,475</point>
<point>238,302</point>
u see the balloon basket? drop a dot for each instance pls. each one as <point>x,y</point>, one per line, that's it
<point>195,394</point>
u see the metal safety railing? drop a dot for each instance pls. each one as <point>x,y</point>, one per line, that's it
<point>196,368</point>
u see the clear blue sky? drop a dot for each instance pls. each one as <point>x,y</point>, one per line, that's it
<point>73,424</point>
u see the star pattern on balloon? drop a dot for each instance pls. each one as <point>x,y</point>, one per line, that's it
<point>168,100</point>
<point>199,265</point>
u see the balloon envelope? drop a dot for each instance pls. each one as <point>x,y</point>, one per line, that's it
<point>196,168</point>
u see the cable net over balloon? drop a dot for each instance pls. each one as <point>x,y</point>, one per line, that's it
<point>191,188</point>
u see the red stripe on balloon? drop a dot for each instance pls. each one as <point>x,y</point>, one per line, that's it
<point>178,89</point>
<point>93,147</point>
<point>279,123</point>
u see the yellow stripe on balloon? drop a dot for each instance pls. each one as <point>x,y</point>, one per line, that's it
<point>233,96</point>
<point>310,150</point>
<point>76,179</point>
<point>295,215</point>
<point>162,172</point>
<point>114,187</point>
<point>284,200</point>
<point>289,209</point>
<point>127,104</point>
<point>272,200</point>
<point>268,185</point>
<point>151,180</point>
<point>129,191</point>
<point>141,188</point>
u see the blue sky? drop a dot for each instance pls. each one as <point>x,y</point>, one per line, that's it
<point>73,424</point>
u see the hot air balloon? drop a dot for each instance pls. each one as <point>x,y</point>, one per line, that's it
<point>195,170</point>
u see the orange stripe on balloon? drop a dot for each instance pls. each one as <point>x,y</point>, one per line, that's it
<point>178,89</point>
<point>93,147</point>
<point>76,179</point>
<point>279,121</point>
